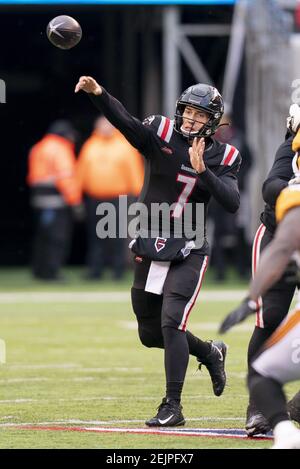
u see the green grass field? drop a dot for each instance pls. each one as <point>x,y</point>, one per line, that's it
<point>74,358</point>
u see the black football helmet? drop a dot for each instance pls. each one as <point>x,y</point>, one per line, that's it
<point>205,98</point>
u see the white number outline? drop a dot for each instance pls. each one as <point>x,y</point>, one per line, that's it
<point>189,184</point>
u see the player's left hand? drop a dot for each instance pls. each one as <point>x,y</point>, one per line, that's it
<point>246,308</point>
<point>196,152</point>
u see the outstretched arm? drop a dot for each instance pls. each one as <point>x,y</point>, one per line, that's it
<point>275,257</point>
<point>277,254</point>
<point>273,263</point>
<point>89,85</point>
<point>133,130</point>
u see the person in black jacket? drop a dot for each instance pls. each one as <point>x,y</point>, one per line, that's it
<point>184,167</point>
<point>274,305</point>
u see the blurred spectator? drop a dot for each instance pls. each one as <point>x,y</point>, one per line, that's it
<point>108,166</point>
<point>55,196</point>
<point>230,234</point>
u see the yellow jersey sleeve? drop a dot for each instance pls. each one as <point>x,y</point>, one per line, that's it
<point>287,199</point>
<point>296,141</point>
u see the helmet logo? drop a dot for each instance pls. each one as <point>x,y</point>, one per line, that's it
<point>191,100</point>
<point>215,92</point>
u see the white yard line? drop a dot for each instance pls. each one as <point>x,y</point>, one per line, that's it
<point>50,366</point>
<point>201,326</point>
<point>106,398</point>
<point>105,297</point>
<point>114,422</point>
<point>76,367</point>
<point>24,380</point>
<point>56,380</point>
<point>232,374</point>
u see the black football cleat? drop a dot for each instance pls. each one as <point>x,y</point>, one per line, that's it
<point>293,408</point>
<point>215,363</point>
<point>169,415</point>
<point>256,423</point>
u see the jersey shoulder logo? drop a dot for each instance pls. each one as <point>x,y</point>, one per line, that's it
<point>167,150</point>
<point>148,120</point>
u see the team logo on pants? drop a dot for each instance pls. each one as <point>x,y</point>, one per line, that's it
<point>160,243</point>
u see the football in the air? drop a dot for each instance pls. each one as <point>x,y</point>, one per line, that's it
<point>64,32</point>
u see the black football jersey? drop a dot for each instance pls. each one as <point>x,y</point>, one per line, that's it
<point>277,179</point>
<point>169,176</point>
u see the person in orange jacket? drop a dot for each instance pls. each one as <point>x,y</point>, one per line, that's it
<point>107,167</point>
<point>55,198</point>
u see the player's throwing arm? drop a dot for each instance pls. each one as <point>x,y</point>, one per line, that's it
<point>89,85</point>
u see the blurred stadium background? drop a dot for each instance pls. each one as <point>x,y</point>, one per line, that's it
<point>245,49</point>
<point>144,55</point>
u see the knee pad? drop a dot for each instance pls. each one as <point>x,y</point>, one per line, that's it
<point>147,308</point>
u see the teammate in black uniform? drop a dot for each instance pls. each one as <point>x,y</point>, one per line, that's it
<point>184,164</point>
<point>275,304</point>
<point>277,361</point>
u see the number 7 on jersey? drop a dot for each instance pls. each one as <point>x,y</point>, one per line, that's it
<point>189,183</point>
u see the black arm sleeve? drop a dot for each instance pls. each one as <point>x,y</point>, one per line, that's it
<point>271,190</point>
<point>133,130</point>
<point>223,188</point>
<point>280,173</point>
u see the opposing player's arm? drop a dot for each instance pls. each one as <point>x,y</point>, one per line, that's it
<point>133,129</point>
<point>245,309</point>
<point>277,254</point>
<point>273,263</point>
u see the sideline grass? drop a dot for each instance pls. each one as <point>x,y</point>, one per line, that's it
<point>15,279</point>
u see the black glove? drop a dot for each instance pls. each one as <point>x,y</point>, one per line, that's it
<point>246,308</point>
